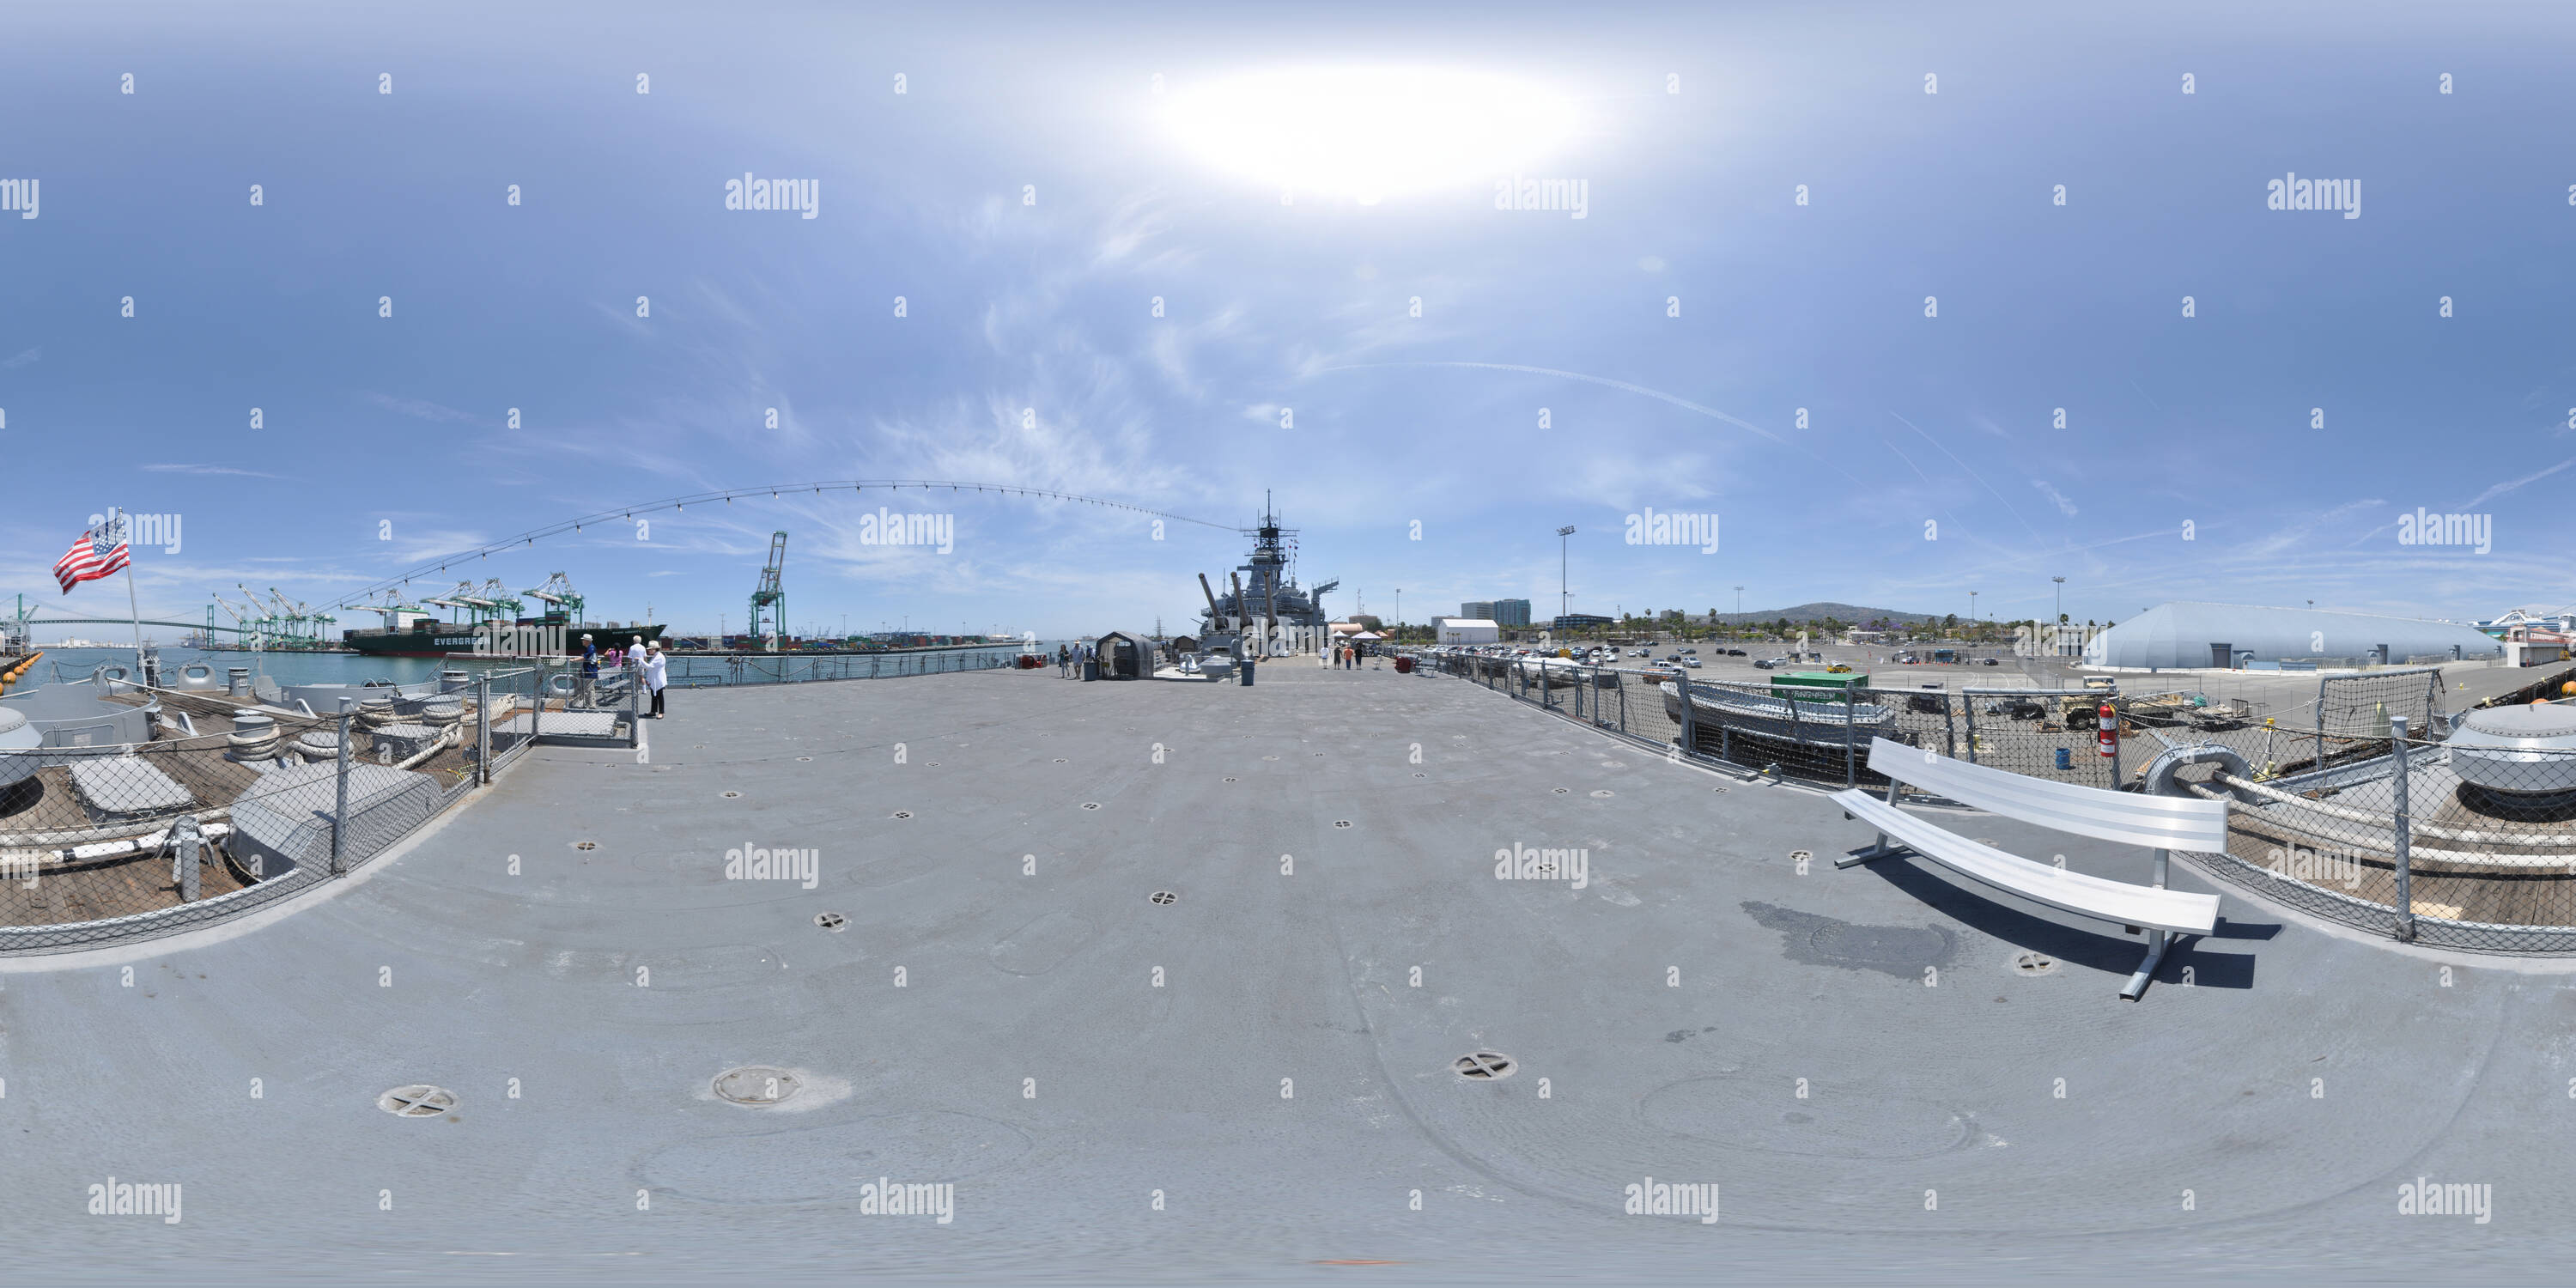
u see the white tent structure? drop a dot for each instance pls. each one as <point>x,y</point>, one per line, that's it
<point>2194,635</point>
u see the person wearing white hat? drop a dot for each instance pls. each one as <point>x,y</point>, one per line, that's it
<point>589,684</point>
<point>656,669</point>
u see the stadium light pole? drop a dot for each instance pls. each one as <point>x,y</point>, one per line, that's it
<point>1564,596</point>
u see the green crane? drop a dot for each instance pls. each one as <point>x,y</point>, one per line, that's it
<point>771,595</point>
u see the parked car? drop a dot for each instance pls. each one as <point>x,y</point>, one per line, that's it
<point>1690,650</point>
<point>1691,662</point>
<point>1838,668</point>
<point>1765,663</point>
<point>1735,652</point>
<point>1990,662</point>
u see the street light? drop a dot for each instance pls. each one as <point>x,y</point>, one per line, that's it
<point>1564,597</point>
<point>2054,642</point>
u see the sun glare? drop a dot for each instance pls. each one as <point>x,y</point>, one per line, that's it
<point>1368,133</point>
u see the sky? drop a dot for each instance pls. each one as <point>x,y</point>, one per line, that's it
<point>1180,258</point>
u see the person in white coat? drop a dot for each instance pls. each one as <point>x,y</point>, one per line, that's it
<point>656,676</point>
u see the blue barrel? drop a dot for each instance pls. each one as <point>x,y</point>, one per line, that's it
<point>2065,758</point>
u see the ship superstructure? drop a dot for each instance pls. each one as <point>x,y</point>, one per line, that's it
<point>1261,598</point>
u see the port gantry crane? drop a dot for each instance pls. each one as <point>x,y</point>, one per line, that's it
<point>505,607</point>
<point>242,617</point>
<point>262,618</point>
<point>559,593</point>
<point>463,597</point>
<point>290,628</point>
<point>309,627</point>
<point>771,595</point>
<point>392,607</point>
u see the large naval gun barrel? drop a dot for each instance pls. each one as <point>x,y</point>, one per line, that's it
<point>1215,618</point>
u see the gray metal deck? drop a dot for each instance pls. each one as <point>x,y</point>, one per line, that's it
<point>1662,1017</point>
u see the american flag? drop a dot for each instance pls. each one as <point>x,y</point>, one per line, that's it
<point>99,552</point>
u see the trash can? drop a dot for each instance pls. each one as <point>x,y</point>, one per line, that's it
<point>1091,668</point>
<point>2065,758</point>
<point>1404,666</point>
<point>1246,671</point>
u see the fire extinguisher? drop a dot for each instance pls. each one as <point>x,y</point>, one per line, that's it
<point>2110,731</point>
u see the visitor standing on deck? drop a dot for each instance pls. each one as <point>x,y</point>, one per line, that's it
<point>589,673</point>
<point>656,675</point>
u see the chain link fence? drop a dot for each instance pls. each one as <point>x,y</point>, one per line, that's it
<point>1793,727</point>
<point>2461,842</point>
<point>2377,809</point>
<point>146,811</point>
<point>129,812</point>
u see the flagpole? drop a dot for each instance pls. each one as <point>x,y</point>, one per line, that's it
<point>130,603</point>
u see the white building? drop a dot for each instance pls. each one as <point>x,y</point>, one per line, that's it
<point>1469,630</point>
<point>2069,641</point>
<point>2191,635</point>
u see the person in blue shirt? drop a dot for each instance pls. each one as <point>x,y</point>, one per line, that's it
<point>589,673</point>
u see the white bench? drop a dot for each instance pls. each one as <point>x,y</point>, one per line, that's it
<point>2160,823</point>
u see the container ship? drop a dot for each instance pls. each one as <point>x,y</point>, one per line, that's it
<point>497,626</point>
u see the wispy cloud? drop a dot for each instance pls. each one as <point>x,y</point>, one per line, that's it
<point>419,408</point>
<point>172,468</point>
<point>2046,489</point>
<point>1980,478</point>
<point>23,357</point>
<point>2501,488</point>
<point>1626,386</point>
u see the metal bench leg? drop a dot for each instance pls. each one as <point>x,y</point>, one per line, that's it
<point>2156,941</point>
<point>2137,985</point>
<point>1881,849</point>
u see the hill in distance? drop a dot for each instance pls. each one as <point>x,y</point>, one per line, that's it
<point>1812,612</point>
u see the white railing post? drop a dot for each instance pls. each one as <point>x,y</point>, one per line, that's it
<point>2401,826</point>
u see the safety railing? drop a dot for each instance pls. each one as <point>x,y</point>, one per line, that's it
<point>2379,810</point>
<point>210,806</point>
